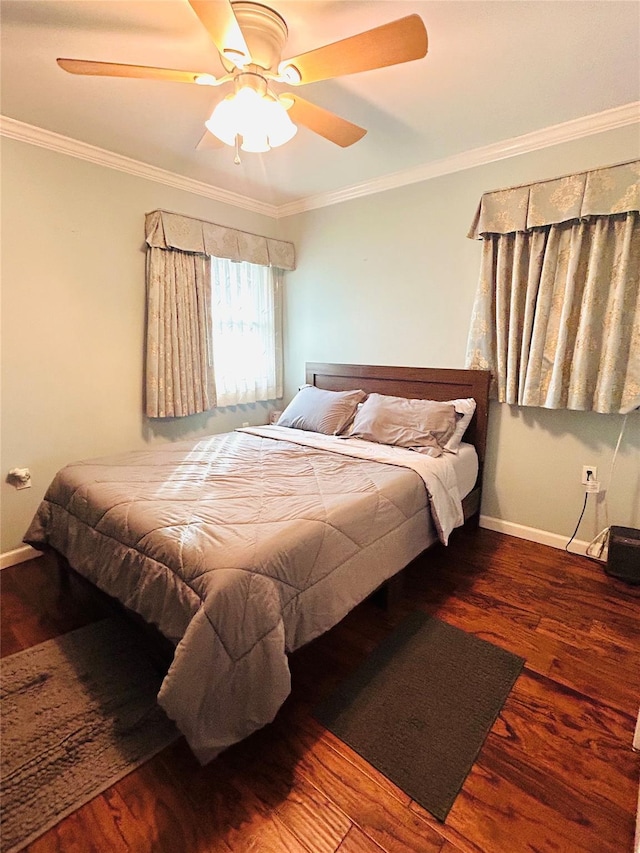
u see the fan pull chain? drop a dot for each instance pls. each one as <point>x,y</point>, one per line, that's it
<point>236,159</point>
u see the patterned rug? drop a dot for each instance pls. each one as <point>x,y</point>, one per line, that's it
<point>421,706</point>
<point>78,713</point>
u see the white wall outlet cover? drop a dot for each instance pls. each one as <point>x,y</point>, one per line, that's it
<point>20,478</point>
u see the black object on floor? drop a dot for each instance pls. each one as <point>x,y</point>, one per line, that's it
<point>421,706</point>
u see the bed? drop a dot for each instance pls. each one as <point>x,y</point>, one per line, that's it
<point>239,548</point>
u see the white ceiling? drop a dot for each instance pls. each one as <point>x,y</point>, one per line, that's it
<point>494,71</point>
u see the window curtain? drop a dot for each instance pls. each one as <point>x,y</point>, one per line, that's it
<point>165,230</point>
<point>557,311</point>
<point>179,360</point>
<point>247,330</point>
<point>180,375</point>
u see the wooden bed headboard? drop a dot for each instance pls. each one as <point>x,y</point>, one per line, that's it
<point>422,383</point>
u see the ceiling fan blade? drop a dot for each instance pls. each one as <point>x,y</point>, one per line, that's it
<point>219,20</point>
<point>208,142</point>
<point>321,121</point>
<point>398,41</point>
<point>115,69</point>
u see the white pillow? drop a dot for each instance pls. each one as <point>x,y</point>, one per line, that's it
<point>323,411</point>
<point>464,412</point>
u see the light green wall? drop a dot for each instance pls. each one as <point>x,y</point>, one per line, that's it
<point>73,317</point>
<point>390,279</point>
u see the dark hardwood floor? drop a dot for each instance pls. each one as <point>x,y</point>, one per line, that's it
<point>556,773</point>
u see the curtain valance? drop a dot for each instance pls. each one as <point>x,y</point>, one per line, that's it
<point>602,192</point>
<point>164,230</point>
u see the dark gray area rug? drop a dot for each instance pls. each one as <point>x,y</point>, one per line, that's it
<point>421,706</point>
<point>78,713</point>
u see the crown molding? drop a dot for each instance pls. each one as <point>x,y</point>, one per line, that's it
<point>14,129</point>
<point>555,135</point>
<point>545,138</point>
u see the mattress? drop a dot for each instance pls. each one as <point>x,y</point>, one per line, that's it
<point>465,464</point>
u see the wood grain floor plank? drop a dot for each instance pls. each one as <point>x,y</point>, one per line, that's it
<point>485,610</point>
<point>590,665</point>
<point>622,636</point>
<point>449,847</point>
<point>158,816</point>
<point>12,616</point>
<point>381,816</point>
<point>312,729</point>
<point>493,814</point>
<point>234,811</point>
<point>268,834</point>
<point>268,773</point>
<point>91,829</point>
<point>583,742</point>
<point>46,610</point>
<point>313,817</point>
<point>593,678</point>
<point>550,809</point>
<point>357,842</point>
<point>580,779</point>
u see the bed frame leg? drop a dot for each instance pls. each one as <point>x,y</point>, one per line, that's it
<point>389,596</point>
<point>64,574</point>
<point>394,591</point>
<point>473,523</point>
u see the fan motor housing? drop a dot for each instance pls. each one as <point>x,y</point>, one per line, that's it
<point>264,31</point>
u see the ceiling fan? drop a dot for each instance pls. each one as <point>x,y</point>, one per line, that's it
<point>250,38</point>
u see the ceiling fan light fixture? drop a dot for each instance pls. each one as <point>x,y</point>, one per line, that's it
<point>280,128</point>
<point>258,118</point>
<point>222,121</point>
<point>250,38</point>
<point>255,143</point>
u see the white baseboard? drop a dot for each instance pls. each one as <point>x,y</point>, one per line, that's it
<point>19,555</point>
<point>543,537</point>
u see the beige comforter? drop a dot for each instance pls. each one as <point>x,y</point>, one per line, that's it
<point>240,548</point>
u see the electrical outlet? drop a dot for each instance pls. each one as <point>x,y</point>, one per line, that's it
<point>589,475</point>
<point>20,478</point>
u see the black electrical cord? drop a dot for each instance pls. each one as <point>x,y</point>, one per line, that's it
<point>584,506</point>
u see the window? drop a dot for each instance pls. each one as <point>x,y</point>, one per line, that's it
<point>246,332</point>
<point>211,320</point>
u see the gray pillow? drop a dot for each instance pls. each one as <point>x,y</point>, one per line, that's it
<point>323,411</point>
<point>422,425</point>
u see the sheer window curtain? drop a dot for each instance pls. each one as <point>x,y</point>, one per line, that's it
<point>247,331</point>
<point>557,311</point>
